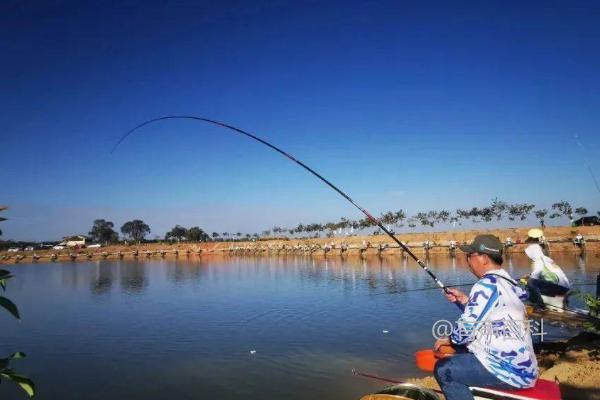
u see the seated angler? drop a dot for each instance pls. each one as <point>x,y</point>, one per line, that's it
<point>493,346</point>
<point>547,278</point>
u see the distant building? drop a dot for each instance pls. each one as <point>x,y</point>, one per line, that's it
<point>74,241</point>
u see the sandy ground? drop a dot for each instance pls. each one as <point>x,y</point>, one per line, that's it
<point>575,364</point>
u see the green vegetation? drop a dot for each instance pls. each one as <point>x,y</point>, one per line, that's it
<point>593,306</point>
<point>6,372</point>
<point>498,210</point>
<point>136,230</point>
<point>102,232</point>
<point>194,234</point>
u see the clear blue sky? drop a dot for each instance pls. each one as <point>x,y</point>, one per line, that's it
<point>417,106</point>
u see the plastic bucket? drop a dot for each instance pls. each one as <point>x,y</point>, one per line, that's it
<point>425,360</point>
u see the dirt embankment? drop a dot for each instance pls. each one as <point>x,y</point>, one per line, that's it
<point>574,363</point>
<point>559,238</point>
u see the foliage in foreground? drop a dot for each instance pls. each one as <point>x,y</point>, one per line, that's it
<point>6,372</point>
<point>593,306</point>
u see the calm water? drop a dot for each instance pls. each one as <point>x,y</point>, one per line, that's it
<point>185,329</point>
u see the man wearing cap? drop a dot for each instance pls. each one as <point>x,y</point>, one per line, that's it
<point>492,338</point>
<point>546,278</point>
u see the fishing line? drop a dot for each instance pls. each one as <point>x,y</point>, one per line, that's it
<point>587,163</point>
<point>422,289</point>
<point>306,167</point>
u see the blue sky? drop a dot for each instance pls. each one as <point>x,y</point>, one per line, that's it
<point>412,106</point>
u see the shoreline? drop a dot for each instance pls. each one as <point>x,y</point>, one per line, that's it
<point>560,239</point>
<point>573,363</point>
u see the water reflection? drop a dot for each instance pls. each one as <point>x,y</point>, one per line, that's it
<point>181,272</point>
<point>103,278</point>
<point>581,262</point>
<point>72,275</point>
<point>509,264</point>
<point>133,277</point>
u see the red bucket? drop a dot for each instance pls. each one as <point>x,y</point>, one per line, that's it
<point>425,360</point>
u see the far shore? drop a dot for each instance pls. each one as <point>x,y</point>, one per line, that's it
<point>559,239</point>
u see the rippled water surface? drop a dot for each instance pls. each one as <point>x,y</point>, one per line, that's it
<point>186,328</point>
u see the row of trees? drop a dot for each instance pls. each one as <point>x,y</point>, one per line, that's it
<point>497,210</point>
<point>136,230</point>
<point>102,232</point>
<point>194,234</point>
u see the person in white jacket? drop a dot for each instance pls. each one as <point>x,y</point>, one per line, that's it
<point>492,336</point>
<point>546,278</point>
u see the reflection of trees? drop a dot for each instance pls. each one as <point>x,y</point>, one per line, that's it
<point>103,278</point>
<point>384,275</point>
<point>133,277</point>
<point>581,262</point>
<point>185,271</point>
<point>70,275</point>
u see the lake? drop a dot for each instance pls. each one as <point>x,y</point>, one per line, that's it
<point>224,327</point>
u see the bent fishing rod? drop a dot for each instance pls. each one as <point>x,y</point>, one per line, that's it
<point>306,167</point>
<point>387,380</point>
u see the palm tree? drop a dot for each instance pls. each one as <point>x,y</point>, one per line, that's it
<point>519,210</point>
<point>387,218</point>
<point>443,216</point>
<point>462,214</point>
<point>498,208</point>
<point>423,218</point>
<point>540,215</point>
<point>432,216</point>
<point>486,213</point>
<point>399,216</point>
<point>563,208</point>
<point>474,213</point>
